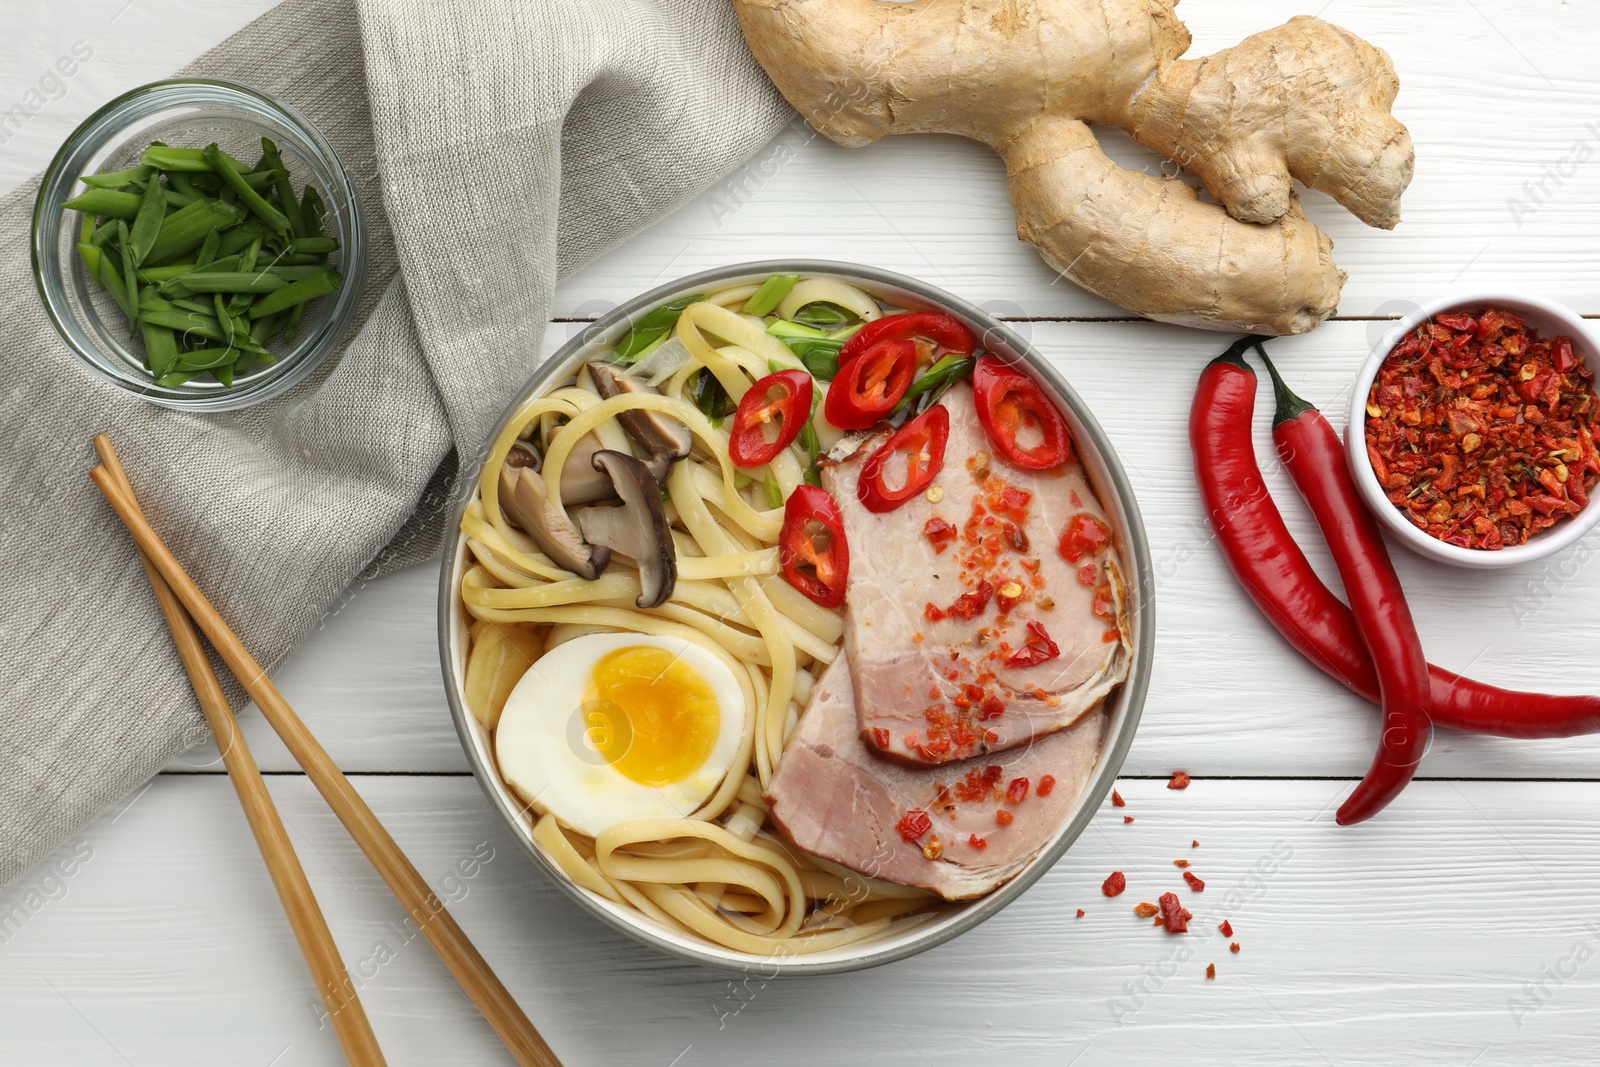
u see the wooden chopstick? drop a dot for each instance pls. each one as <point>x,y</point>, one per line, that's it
<point>349,1019</point>
<point>477,980</point>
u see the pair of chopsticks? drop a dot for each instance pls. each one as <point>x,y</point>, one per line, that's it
<point>184,607</point>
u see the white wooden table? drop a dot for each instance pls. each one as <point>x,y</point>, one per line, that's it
<point>1458,928</point>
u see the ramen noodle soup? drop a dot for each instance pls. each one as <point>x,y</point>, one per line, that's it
<point>794,616</point>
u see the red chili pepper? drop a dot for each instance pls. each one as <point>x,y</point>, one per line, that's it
<point>920,443</point>
<point>1226,927</point>
<point>1047,782</point>
<point>1117,801</point>
<point>944,331</point>
<point>1017,791</point>
<point>1009,402</point>
<point>1114,884</point>
<point>868,388</point>
<point>1173,914</point>
<point>811,546</point>
<point>1194,881</point>
<point>1314,458</point>
<point>1179,780</point>
<point>1276,575</point>
<point>783,398</point>
<point>1039,648</point>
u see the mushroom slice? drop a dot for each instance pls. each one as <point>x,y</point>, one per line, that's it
<point>657,434</point>
<point>637,529</point>
<point>581,481</point>
<point>523,500</point>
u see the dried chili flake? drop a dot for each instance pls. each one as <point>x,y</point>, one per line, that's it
<point>1180,863</point>
<point>940,534</point>
<point>1174,916</point>
<point>1226,927</point>
<point>1003,817</point>
<point>970,605</point>
<point>1482,432</point>
<point>1114,884</point>
<point>1194,844</point>
<point>1085,535</point>
<point>1038,649</point>
<point>1211,971</point>
<point>1194,883</point>
<point>1080,913</point>
<point>1117,801</point>
<point>880,737</point>
<point>1234,947</point>
<point>1145,910</point>
<point>1179,781</point>
<point>913,824</point>
<point>1127,818</point>
<point>1047,782</point>
<point>977,842</point>
<point>1017,791</point>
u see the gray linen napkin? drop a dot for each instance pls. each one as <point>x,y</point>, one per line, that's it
<point>497,146</point>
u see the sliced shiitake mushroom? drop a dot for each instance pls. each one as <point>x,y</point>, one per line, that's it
<point>523,499</point>
<point>637,529</point>
<point>581,481</point>
<point>657,434</point>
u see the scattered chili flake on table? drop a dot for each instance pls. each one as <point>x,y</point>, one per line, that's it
<point>1180,863</point>
<point>1234,947</point>
<point>1194,882</point>
<point>1145,910</point>
<point>1481,431</point>
<point>1127,818</point>
<point>1179,781</point>
<point>1174,915</point>
<point>1211,971</point>
<point>1226,927</point>
<point>1194,844</point>
<point>1117,801</point>
<point>1080,913</point>
<point>1114,884</point>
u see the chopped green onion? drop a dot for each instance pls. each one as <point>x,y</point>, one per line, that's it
<point>771,294</point>
<point>931,384</point>
<point>652,328</point>
<point>774,492</point>
<point>825,313</point>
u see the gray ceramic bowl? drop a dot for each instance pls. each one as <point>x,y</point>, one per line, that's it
<point>1105,473</point>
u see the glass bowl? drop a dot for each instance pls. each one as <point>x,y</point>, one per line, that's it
<point>1105,473</point>
<point>191,113</point>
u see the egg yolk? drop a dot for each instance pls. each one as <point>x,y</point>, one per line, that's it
<point>650,715</point>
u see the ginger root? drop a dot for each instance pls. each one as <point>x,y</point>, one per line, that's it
<point>1306,100</point>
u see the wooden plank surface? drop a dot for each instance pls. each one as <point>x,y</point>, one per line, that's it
<point>1402,941</point>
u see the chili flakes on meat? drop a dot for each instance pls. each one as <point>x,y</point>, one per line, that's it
<point>1481,431</point>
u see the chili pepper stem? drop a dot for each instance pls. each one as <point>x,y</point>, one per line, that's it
<point>1289,405</point>
<point>1234,356</point>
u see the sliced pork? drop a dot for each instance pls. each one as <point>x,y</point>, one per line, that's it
<point>958,830</point>
<point>968,628</point>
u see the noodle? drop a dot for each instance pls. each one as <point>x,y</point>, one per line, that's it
<point>720,873</point>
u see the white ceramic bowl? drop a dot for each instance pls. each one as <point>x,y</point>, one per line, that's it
<point>1105,474</point>
<point>1551,320</point>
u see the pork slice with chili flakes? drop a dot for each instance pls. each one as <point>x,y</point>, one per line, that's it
<point>988,639</point>
<point>954,830</point>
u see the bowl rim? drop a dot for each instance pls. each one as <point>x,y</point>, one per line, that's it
<point>352,261</point>
<point>1543,544</point>
<point>1125,713</point>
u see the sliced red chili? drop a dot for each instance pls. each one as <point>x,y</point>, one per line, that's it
<point>1009,403</point>
<point>919,446</point>
<point>946,332</point>
<point>811,546</point>
<point>868,388</point>
<point>1038,649</point>
<point>770,416</point>
<point>913,824</point>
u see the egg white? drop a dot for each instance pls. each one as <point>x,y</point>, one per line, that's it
<point>543,753</point>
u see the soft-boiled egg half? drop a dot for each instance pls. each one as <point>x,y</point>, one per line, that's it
<point>611,727</point>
